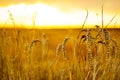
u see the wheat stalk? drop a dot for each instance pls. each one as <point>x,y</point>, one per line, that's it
<point>44,46</point>
<point>83,24</point>
<point>110,21</point>
<point>102,16</point>
<point>117,53</point>
<point>11,18</point>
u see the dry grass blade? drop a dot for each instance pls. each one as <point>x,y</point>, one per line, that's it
<point>83,24</point>
<point>85,19</point>
<point>99,30</point>
<point>110,21</point>
<point>117,49</point>
<point>11,18</point>
<point>86,78</point>
<point>34,19</point>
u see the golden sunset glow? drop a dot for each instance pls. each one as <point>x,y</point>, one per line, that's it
<point>41,14</point>
<point>59,39</point>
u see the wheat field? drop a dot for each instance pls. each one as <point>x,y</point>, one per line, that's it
<point>59,54</point>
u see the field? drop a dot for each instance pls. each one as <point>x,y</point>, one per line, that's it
<point>59,54</point>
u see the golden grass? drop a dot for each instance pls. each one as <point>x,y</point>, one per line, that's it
<point>28,56</point>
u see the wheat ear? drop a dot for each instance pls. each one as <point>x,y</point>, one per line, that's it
<point>57,50</point>
<point>31,44</point>
<point>89,51</point>
<point>63,46</point>
<point>107,42</point>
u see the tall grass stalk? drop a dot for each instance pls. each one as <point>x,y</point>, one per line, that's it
<point>45,47</point>
<point>83,24</point>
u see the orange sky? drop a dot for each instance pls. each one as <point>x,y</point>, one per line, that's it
<point>59,12</point>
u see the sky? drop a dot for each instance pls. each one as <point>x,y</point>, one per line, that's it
<point>59,12</point>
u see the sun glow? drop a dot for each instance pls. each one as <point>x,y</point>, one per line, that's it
<point>45,15</point>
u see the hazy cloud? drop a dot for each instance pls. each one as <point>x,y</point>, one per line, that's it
<point>68,5</point>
